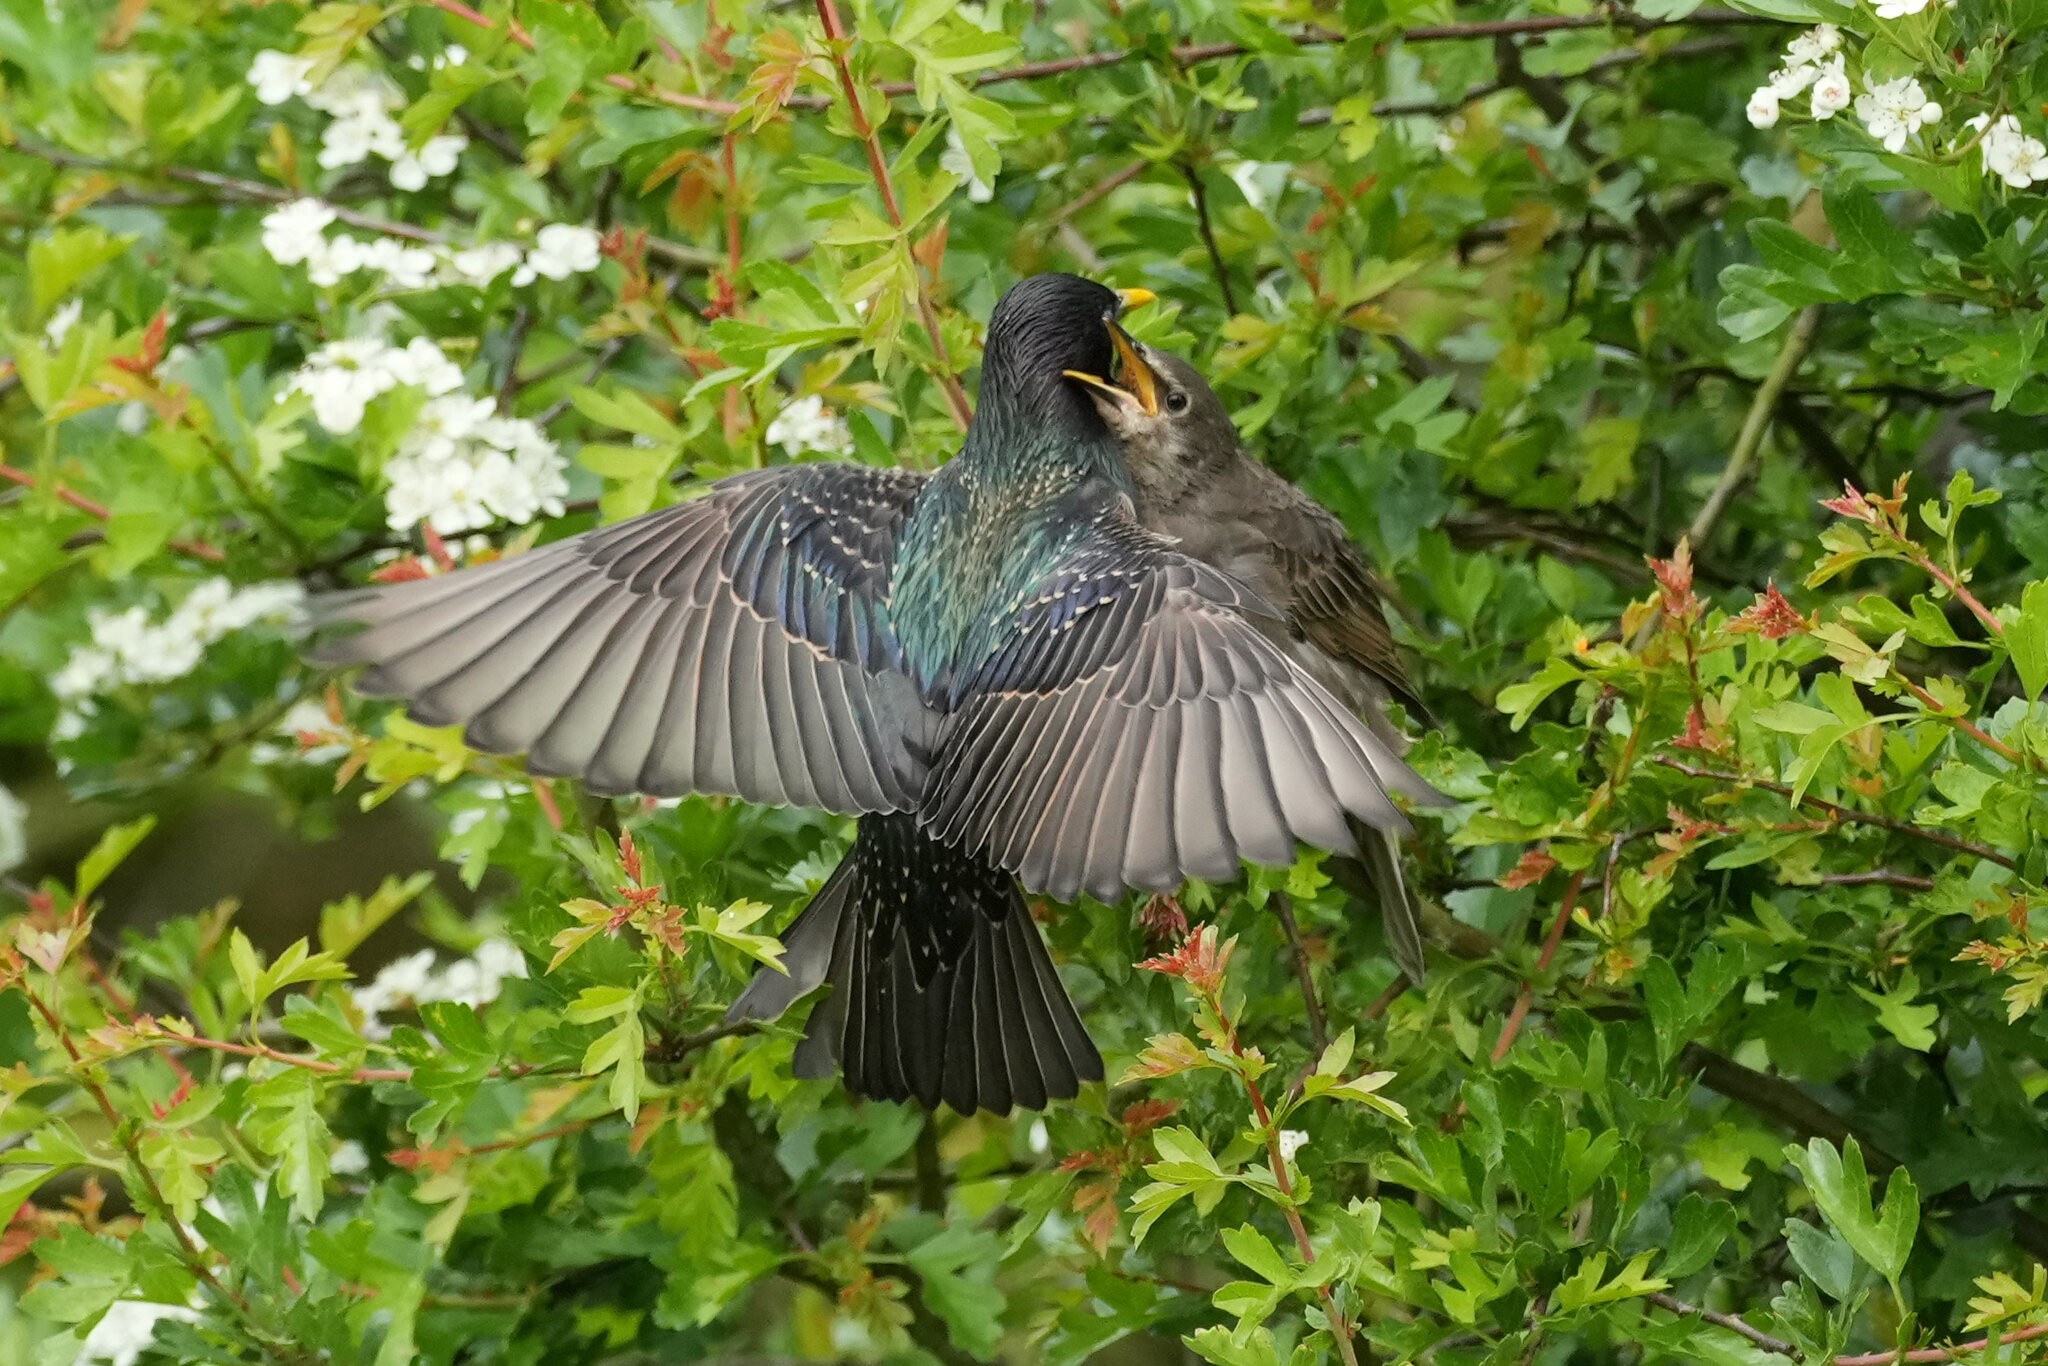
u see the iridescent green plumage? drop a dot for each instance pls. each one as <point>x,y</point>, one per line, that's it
<point>997,667</point>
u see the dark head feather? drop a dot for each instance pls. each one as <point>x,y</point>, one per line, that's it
<point>1041,327</point>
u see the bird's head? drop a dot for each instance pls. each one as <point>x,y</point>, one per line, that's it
<point>1170,423</point>
<point>1043,328</point>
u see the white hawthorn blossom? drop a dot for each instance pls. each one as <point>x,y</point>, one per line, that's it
<point>485,262</point>
<point>462,468</point>
<point>1831,91</point>
<point>131,647</point>
<point>806,424</point>
<point>559,251</point>
<point>1788,81</point>
<point>2009,153</point>
<point>1893,111</point>
<point>348,1159</point>
<point>437,157</point>
<point>297,231</point>
<point>280,76</point>
<point>416,980</point>
<point>1813,60</point>
<point>1814,46</point>
<point>1292,1141</point>
<point>1899,9</point>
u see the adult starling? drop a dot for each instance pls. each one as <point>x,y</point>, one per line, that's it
<point>995,667</point>
<point>1193,481</point>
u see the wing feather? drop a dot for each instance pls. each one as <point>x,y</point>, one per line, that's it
<point>1139,726</point>
<point>739,643</point>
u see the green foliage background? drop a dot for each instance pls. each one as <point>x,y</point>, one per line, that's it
<point>1733,1051</point>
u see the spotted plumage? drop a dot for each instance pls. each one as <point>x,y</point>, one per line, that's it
<point>996,667</point>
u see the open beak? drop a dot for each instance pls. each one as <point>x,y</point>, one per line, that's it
<point>1138,382</point>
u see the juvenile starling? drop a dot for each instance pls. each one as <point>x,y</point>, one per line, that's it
<point>996,667</point>
<point>1194,482</point>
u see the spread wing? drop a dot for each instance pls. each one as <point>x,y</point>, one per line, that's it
<point>1139,730</point>
<point>738,643</point>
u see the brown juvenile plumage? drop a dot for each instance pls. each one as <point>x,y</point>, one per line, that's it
<point>1196,483</point>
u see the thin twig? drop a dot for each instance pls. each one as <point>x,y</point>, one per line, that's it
<point>1721,1320</point>
<point>1551,942</point>
<point>1756,423</point>
<point>878,167</point>
<point>1101,189</point>
<point>1878,877</point>
<point>598,365</point>
<point>1843,813</point>
<point>1318,1023</point>
<point>256,191</point>
<point>515,347</point>
<point>198,550</point>
<point>1208,231</point>
<point>1779,1346</point>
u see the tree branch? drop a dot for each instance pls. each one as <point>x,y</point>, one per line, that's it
<point>1843,813</point>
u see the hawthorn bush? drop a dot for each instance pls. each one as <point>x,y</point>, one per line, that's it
<point>1681,368</point>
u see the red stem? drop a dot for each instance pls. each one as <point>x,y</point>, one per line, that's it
<point>198,550</point>
<point>835,35</point>
<point>1550,946</point>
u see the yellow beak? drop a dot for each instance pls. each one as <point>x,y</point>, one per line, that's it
<point>1136,298</point>
<point>1139,382</point>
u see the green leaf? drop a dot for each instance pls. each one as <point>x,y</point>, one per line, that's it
<point>1911,1024</point>
<point>1520,700</point>
<point>1258,1254</point>
<point>620,1050</point>
<point>287,1125</point>
<point>2026,636</point>
<point>91,1274</point>
<point>107,853</point>
<point>1699,1228</point>
<point>1585,1287</point>
<point>1841,1190</point>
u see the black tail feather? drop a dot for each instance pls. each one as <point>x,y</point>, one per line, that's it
<point>942,989</point>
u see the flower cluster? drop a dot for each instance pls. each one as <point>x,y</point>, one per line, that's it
<point>2009,153</point>
<point>418,979</point>
<point>296,234</point>
<point>361,103</point>
<point>806,424</point>
<point>128,647</point>
<point>461,466</point>
<point>343,376</point>
<point>1813,61</point>
<point>1895,110</point>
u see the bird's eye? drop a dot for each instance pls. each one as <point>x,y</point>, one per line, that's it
<point>1176,401</point>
